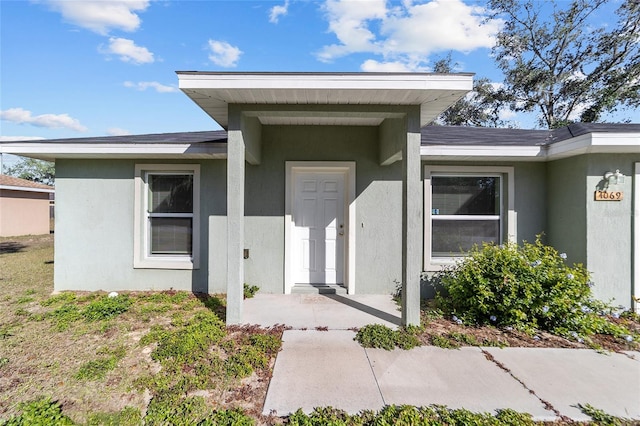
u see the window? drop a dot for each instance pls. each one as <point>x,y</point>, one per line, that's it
<point>465,206</point>
<point>167,219</point>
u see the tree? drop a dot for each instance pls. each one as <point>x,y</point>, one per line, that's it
<point>34,170</point>
<point>559,62</point>
<point>481,107</point>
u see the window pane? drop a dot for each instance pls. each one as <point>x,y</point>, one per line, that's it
<point>466,195</point>
<point>454,237</point>
<point>171,235</point>
<point>171,193</point>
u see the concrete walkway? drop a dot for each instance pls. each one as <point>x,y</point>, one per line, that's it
<point>309,311</point>
<point>318,368</point>
<point>328,368</point>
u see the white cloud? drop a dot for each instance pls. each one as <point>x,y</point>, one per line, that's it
<point>406,63</point>
<point>52,121</point>
<point>128,51</point>
<point>144,85</point>
<point>116,131</point>
<point>406,31</point>
<point>277,11</point>
<point>20,138</point>
<point>101,16</point>
<point>224,54</point>
<point>349,21</point>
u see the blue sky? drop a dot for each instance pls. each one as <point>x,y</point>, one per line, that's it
<point>97,68</point>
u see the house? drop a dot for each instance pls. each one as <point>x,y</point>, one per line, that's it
<point>24,207</point>
<point>334,181</point>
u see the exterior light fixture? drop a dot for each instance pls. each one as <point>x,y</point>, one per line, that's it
<point>614,178</point>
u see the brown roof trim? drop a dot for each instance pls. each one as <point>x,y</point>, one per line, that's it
<point>27,185</point>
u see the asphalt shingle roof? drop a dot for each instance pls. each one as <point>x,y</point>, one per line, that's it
<point>431,135</point>
<point>22,183</point>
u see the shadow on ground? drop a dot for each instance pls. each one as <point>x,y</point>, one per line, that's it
<point>11,247</point>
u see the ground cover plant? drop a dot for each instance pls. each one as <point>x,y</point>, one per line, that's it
<point>88,358</point>
<point>167,358</point>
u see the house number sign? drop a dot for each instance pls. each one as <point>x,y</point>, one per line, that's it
<point>609,195</point>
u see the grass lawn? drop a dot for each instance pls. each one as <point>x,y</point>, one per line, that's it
<point>109,360</point>
<point>167,357</point>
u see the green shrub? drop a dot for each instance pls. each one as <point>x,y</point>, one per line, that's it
<point>41,412</point>
<point>528,287</point>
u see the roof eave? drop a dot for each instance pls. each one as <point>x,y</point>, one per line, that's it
<point>215,91</point>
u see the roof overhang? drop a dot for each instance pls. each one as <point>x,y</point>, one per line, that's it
<point>215,91</point>
<point>51,151</point>
<point>591,143</point>
<point>26,189</point>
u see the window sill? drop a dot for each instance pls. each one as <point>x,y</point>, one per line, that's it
<point>149,263</point>
<point>441,263</point>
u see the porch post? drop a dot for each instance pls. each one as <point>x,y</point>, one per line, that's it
<point>235,219</point>
<point>411,221</point>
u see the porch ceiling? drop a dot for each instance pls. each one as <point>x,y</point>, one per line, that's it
<point>214,91</point>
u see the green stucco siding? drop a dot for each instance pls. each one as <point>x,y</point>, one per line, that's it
<point>378,201</point>
<point>610,229</point>
<point>95,227</point>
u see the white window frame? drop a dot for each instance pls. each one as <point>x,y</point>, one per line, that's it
<point>141,244</point>
<point>508,218</point>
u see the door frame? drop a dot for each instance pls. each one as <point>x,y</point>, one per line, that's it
<point>348,169</point>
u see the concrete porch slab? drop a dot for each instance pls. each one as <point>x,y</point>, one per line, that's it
<point>568,377</point>
<point>321,369</point>
<point>308,311</point>
<point>461,378</point>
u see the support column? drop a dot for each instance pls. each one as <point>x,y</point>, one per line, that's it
<point>235,222</point>
<point>411,221</point>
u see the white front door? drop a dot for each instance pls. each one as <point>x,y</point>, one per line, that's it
<point>318,211</point>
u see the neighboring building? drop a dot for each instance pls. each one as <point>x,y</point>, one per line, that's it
<point>24,207</point>
<point>334,182</point>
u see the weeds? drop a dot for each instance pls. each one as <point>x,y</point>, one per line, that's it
<point>42,411</point>
<point>97,369</point>
<point>380,336</point>
<point>250,290</point>
<point>409,415</point>
<point>128,416</point>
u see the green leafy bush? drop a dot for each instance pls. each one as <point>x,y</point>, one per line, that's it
<point>528,287</point>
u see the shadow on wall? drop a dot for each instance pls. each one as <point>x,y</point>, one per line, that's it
<point>430,285</point>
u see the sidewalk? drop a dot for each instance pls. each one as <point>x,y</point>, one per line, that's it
<point>328,368</point>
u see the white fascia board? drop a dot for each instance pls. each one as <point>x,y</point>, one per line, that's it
<point>70,150</point>
<point>328,81</point>
<point>594,143</point>
<point>432,152</point>
<point>26,189</point>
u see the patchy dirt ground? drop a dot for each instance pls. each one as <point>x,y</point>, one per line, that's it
<point>492,336</point>
<point>38,359</point>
